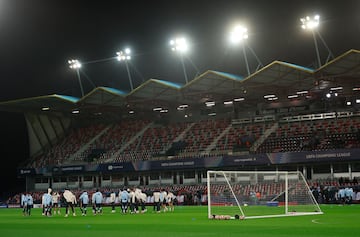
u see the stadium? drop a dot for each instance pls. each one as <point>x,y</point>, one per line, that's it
<point>281,141</point>
<point>309,122</point>
<point>164,135</point>
<point>216,121</point>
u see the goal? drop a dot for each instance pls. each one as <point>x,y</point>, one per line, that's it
<point>259,194</point>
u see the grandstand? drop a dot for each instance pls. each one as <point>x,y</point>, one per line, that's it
<point>282,117</point>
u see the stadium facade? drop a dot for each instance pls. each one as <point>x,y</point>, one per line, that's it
<point>282,117</point>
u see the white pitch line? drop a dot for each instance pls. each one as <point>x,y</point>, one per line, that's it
<point>315,221</point>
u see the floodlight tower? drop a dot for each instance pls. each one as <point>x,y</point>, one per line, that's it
<point>312,24</point>
<point>239,34</point>
<point>126,56</point>
<point>180,45</point>
<point>76,65</point>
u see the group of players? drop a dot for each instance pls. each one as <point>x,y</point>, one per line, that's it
<point>131,201</point>
<point>27,203</point>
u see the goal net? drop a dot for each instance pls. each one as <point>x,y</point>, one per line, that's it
<point>257,194</point>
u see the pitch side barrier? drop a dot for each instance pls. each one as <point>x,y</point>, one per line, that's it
<point>202,162</point>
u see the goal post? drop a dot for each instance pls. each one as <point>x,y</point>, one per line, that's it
<point>259,194</point>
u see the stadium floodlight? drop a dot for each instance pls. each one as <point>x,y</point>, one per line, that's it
<point>182,107</point>
<point>302,92</point>
<point>237,35</point>
<point>228,102</point>
<point>292,96</point>
<point>273,98</point>
<point>76,65</point>
<point>210,103</point>
<point>336,88</point>
<point>126,56</point>
<point>180,45</point>
<point>269,96</point>
<point>312,24</point>
<point>239,99</point>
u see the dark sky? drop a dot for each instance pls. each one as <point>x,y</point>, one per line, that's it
<point>37,37</point>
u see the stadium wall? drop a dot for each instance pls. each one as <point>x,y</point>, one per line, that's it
<point>188,171</point>
<point>205,162</point>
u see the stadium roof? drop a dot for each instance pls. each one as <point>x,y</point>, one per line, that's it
<point>343,71</point>
<point>280,79</point>
<point>60,102</point>
<point>346,64</point>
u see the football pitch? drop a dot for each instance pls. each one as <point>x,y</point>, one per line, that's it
<point>185,221</point>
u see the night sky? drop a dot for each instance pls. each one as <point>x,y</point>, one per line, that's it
<point>37,37</point>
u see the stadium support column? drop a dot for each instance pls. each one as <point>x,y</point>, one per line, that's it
<point>277,176</point>
<point>256,176</point>
<point>350,173</point>
<point>81,181</point>
<point>331,172</point>
<point>286,194</point>
<point>97,178</point>
<point>175,178</point>
<point>29,183</point>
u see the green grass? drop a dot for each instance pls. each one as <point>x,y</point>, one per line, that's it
<point>185,221</point>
